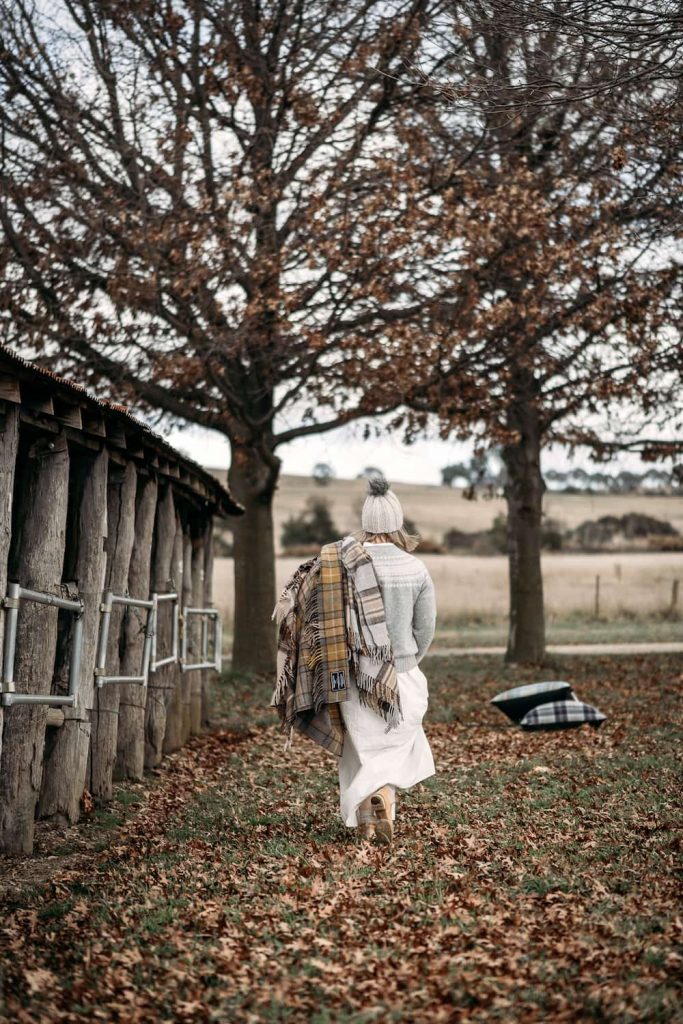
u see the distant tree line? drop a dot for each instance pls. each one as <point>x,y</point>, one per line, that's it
<point>303,534</point>
<point>485,475</point>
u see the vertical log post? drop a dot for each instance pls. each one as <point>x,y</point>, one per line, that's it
<point>67,748</point>
<point>9,442</point>
<point>173,737</point>
<point>186,681</point>
<point>130,744</point>
<point>207,599</point>
<point>121,490</point>
<point>36,558</point>
<point>162,680</point>
<point>197,602</point>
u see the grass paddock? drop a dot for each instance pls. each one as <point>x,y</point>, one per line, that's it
<point>532,879</point>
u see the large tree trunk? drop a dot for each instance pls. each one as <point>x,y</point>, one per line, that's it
<point>130,743</point>
<point>253,481</point>
<point>67,747</point>
<point>524,493</point>
<point>36,559</point>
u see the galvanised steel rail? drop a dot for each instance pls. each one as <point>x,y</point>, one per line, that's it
<point>10,604</point>
<point>108,603</point>
<point>207,615</point>
<point>173,656</point>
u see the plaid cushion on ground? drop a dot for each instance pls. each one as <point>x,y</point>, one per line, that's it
<point>516,702</point>
<point>562,714</point>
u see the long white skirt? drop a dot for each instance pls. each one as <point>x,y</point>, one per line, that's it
<point>373,758</point>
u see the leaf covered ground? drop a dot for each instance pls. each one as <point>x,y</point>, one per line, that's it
<point>534,878</point>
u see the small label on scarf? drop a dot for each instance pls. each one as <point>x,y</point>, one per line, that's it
<point>338,680</point>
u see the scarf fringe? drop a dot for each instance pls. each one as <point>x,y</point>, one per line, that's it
<point>302,642</point>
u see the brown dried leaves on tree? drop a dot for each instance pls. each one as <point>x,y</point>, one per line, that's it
<point>274,219</point>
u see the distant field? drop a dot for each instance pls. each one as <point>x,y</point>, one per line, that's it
<point>470,587</point>
<point>472,591</point>
<point>438,509</point>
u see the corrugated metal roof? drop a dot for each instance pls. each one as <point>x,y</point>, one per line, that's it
<point>116,412</point>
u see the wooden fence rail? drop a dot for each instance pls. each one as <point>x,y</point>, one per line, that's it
<point>92,501</point>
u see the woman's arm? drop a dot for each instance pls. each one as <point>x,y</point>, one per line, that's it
<point>424,617</point>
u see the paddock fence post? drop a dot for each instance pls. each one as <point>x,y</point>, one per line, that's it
<point>173,735</point>
<point>187,600</point>
<point>9,443</point>
<point>130,744</point>
<point>121,491</point>
<point>207,596</point>
<point>36,559</point>
<point>67,747</point>
<point>196,633</point>
<point>161,680</point>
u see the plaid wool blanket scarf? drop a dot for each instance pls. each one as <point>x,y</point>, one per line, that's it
<point>331,621</point>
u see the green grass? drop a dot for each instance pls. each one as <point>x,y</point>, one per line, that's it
<point>571,629</point>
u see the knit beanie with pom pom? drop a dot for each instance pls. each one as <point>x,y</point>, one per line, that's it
<point>382,512</point>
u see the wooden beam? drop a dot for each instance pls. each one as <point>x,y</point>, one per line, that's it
<point>116,435</point>
<point>186,679</point>
<point>9,444</point>
<point>64,777</point>
<point>43,424</point>
<point>130,743</point>
<point>121,488</point>
<point>208,675</point>
<point>10,389</point>
<point>36,559</point>
<point>162,681</point>
<point>151,456</point>
<point>173,736</point>
<point>197,602</point>
<point>37,399</point>
<point>68,413</point>
<point>93,422</point>
<point>134,442</point>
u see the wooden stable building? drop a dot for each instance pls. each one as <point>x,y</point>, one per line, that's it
<point>108,635</point>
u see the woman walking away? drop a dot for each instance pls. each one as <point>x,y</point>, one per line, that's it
<point>353,624</point>
<point>376,760</point>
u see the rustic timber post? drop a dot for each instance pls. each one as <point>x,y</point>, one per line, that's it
<point>189,626</point>
<point>207,597</point>
<point>121,490</point>
<point>67,748</point>
<point>36,559</point>
<point>162,583</point>
<point>130,744</point>
<point>9,443</point>
<point>173,736</point>
<point>197,602</point>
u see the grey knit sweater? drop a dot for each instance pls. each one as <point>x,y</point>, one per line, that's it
<point>409,602</point>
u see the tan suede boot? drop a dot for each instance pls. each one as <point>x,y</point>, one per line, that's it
<point>366,819</point>
<point>382,802</point>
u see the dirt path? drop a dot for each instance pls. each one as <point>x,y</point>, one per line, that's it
<point>664,647</point>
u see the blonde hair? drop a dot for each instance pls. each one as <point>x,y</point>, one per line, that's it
<point>401,538</point>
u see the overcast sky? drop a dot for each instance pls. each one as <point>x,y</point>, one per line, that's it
<point>347,452</point>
